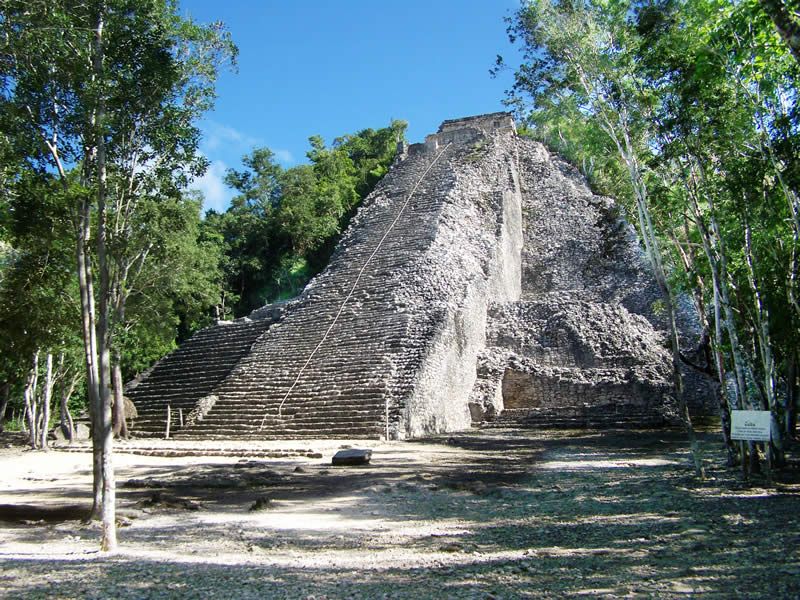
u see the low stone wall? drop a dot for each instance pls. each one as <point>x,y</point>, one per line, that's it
<point>552,391</point>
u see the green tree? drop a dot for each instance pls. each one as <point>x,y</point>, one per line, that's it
<point>283,224</point>
<point>786,17</point>
<point>39,303</point>
<point>111,88</point>
<point>698,100</point>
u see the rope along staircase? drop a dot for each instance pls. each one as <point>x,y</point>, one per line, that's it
<point>321,372</point>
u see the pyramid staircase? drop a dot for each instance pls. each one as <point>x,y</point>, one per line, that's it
<point>294,385</point>
<point>343,352</point>
<point>183,377</point>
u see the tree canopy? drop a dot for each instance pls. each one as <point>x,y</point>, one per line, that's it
<point>283,224</point>
<point>98,104</point>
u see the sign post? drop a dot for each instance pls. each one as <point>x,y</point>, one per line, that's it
<point>753,426</point>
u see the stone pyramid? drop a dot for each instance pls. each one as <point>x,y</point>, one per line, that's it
<point>481,282</point>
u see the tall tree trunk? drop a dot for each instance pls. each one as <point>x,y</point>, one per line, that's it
<point>47,395</point>
<point>105,441</point>
<point>719,361</point>
<point>690,265</point>
<point>765,348</point>
<point>29,395</point>
<point>86,287</point>
<point>714,249</point>
<point>677,379</point>
<point>5,395</point>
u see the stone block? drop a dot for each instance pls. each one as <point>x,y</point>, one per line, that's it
<point>352,457</point>
<point>80,432</point>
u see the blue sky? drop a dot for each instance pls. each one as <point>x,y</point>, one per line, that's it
<point>335,67</point>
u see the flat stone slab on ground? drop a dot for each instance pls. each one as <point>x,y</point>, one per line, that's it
<point>352,456</point>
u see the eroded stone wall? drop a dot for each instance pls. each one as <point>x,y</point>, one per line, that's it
<point>473,262</point>
<point>587,334</point>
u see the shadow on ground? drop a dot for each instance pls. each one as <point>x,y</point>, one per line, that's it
<point>506,515</point>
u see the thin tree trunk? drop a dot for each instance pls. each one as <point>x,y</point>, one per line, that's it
<point>86,287</point>
<point>683,407</point>
<point>715,254</point>
<point>47,395</point>
<point>29,394</point>
<point>67,425</point>
<point>765,347</point>
<point>4,398</point>
<point>690,262</point>
<point>719,360</point>
<point>108,540</point>
<point>120,424</point>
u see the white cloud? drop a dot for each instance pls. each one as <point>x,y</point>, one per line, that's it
<point>222,139</point>
<point>217,135</point>
<point>284,156</point>
<point>216,194</point>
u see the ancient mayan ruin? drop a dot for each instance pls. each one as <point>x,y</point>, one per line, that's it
<point>481,282</point>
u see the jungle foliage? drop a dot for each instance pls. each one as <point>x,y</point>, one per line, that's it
<point>283,224</point>
<point>105,260</point>
<point>687,112</point>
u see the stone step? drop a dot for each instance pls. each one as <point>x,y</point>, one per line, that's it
<point>183,377</point>
<point>280,436</point>
<point>562,419</point>
<point>254,421</point>
<point>352,432</point>
<point>185,451</point>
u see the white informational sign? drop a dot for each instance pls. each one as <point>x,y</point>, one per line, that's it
<point>751,425</point>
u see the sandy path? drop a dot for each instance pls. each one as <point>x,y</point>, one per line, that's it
<point>507,514</point>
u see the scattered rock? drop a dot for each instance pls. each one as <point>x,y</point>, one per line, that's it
<point>123,522</point>
<point>262,503</point>
<point>157,499</point>
<point>299,469</point>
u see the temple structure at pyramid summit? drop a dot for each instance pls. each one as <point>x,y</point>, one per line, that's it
<point>482,282</point>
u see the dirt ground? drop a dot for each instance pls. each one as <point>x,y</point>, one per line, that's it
<point>483,514</point>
